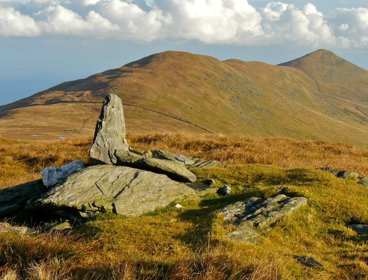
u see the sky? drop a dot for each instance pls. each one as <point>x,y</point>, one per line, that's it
<point>46,42</point>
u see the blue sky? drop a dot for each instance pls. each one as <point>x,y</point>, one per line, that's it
<point>46,42</point>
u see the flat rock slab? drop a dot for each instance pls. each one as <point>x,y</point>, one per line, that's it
<point>14,198</point>
<point>189,162</point>
<point>174,169</point>
<point>255,215</point>
<point>116,189</point>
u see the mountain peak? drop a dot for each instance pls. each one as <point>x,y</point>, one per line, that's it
<point>318,57</point>
<point>325,66</point>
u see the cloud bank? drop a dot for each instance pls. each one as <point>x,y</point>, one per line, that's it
<point>208,21</point>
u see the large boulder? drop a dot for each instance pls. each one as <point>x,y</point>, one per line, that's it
<point>13,199</point>
<point>255,215</point>
<point>110,134</point>
<point>116,189</point>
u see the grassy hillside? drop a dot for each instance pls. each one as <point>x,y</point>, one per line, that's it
<point>175,91</point>
<point>341,77</point>
<point>190,243</point>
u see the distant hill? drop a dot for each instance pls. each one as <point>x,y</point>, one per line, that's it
<point>319,96</point>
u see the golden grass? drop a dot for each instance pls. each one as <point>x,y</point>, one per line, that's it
<point>189,243</point>
<point>21,161</point>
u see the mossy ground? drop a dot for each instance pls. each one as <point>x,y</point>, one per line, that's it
<point>190,243</point>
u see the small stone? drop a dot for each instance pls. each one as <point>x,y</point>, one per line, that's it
<point>360,229</point>
<point>309,262</point>
<point>225,190</point>
<point>347,175</point>
<point>363,181</point>
<point>52,176</point>
<point>178,206</point>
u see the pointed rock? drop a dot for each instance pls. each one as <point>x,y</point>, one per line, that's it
<point>110,134</point>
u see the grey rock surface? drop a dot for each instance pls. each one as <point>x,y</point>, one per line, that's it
<point>52,176</point>
<point>347,175</point>
<point>225,190</point>
<point>174,169</point>
<point>13,199</point>
<point>308,261</point>
<point>116,189</point>
<point>190,162</point>
<point>255,215</point>
<point>110,134</point>
<point>160,154</point>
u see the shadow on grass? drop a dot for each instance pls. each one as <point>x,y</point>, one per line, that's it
<point>126,270</point>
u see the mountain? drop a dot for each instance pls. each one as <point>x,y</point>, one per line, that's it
<point>319,96</point>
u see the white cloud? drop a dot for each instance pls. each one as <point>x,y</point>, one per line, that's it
<point>216,21</point>
<point>352,26</point>
<point>208,21</point>
<point>59,20</point>
<point>13,23</point>
<point>286,22</point>
<point>90,2</point>
<point>135,23</point>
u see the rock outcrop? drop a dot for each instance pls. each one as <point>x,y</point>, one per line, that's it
<point>255,215</point>
<point>110,134</point>
<point>115,189</point>
<point>119,179</point>
<point>347,175</point>
<point>111,147</point>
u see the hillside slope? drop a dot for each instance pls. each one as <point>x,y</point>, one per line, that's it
<point>176,91</point>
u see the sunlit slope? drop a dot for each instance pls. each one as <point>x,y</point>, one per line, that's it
<point>343,78</point>
<point>176,91</point>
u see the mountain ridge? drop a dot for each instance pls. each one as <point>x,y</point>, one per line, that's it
<point>180,91</point>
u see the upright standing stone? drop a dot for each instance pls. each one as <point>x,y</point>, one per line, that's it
<point>110,132</point>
